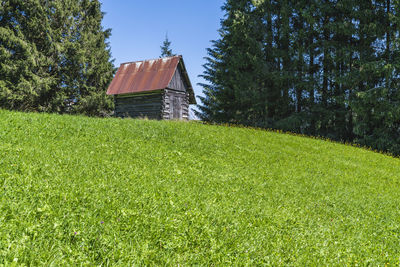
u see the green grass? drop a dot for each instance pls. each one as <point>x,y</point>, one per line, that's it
<point>85,191</point>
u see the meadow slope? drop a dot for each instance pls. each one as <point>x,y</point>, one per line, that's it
<point>87,191</point>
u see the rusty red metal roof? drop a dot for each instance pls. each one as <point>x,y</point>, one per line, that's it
<point>142,76</point>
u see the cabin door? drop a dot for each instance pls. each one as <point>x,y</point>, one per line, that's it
<point>176,108</point>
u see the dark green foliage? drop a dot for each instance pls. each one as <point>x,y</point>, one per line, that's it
<point>54,57</point>
<point>235,63</point>
<point>166,50</point>
<point>22,82</point>
<point>319,67</point>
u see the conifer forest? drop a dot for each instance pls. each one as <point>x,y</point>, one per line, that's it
<point>316,67</point>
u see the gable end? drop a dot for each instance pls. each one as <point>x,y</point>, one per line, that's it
<point>177,83</point>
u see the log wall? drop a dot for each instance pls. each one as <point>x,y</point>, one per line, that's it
<point>175,105</point>
<point>140,106</point>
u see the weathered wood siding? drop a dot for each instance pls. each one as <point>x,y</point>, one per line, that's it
<point>176,105</point>
<point>177,83</point>
<point>176,99</point>
<point>140,105</point>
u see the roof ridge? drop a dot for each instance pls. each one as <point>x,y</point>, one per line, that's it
<point>145,60</point>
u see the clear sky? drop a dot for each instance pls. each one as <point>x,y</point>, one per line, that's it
<point>139,28</point>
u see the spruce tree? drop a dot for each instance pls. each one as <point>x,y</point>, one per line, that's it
<point>235,68</point>
<point>88,62</point>
<point>23,53</point>
<point>166,50</point>
<point>54,56</point>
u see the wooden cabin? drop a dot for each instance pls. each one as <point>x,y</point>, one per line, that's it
<point>154,89</point>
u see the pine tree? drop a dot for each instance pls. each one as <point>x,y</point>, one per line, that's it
<point>166,50</point>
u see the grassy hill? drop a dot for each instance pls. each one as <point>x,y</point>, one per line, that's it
<point>84,191</point>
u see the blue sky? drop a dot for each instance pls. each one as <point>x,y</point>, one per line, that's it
<point>139,28</point>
